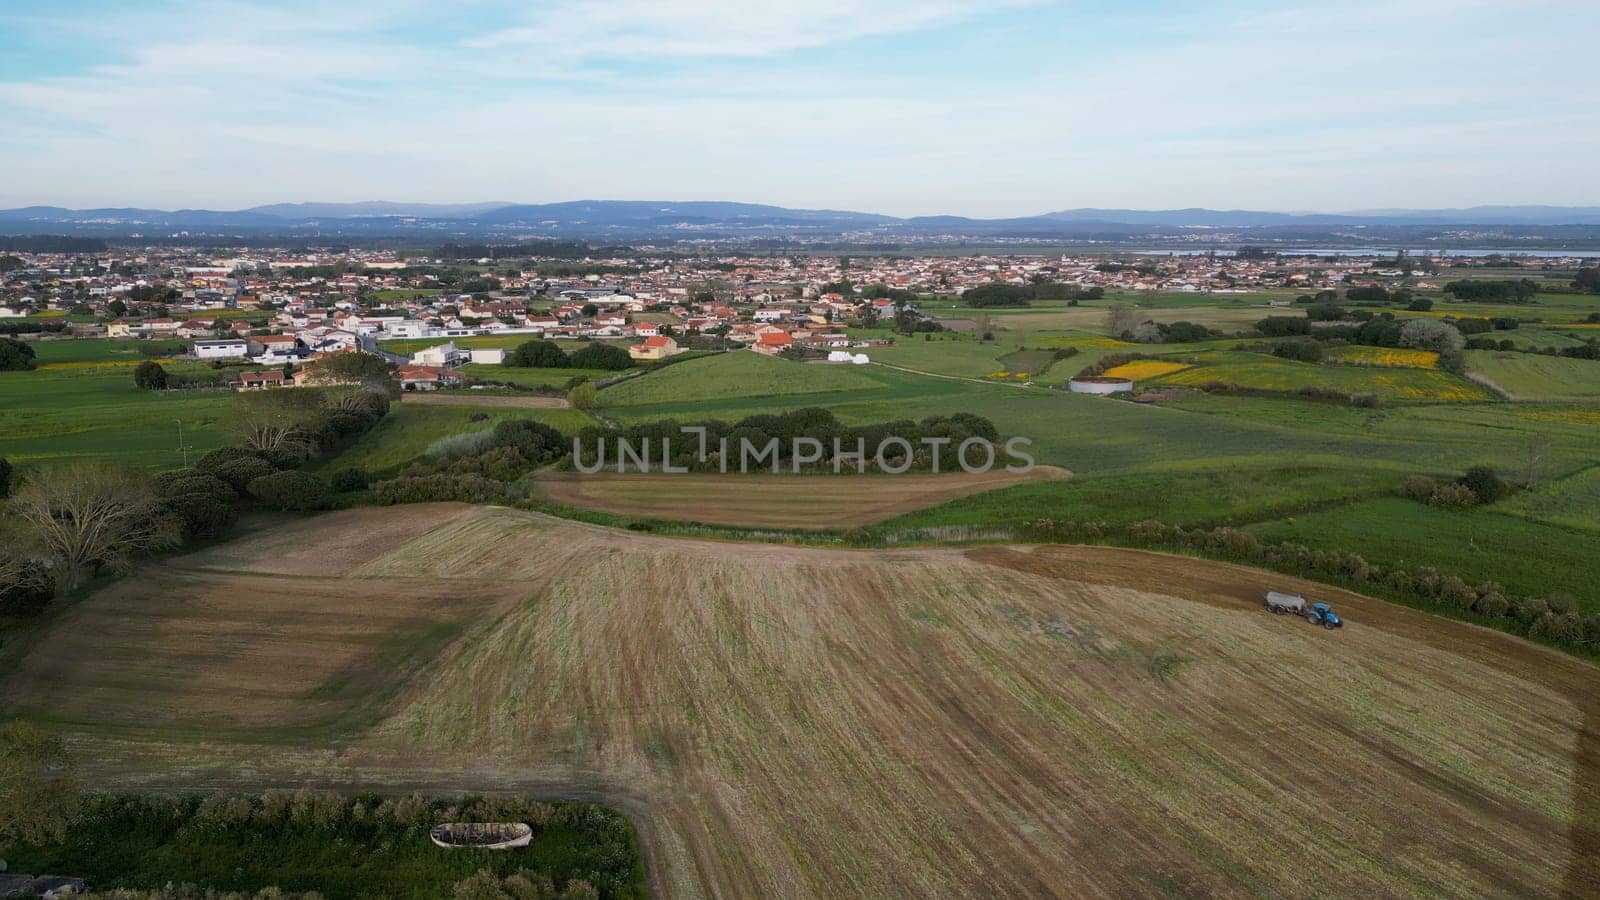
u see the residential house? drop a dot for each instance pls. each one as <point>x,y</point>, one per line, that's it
<point>446,355</point>
<point>658,347</point>
<point>266,378</point>
<point>773,343</point>
<point>428,378</point>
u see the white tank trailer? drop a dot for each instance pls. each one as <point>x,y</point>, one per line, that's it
<point>1296,605</point>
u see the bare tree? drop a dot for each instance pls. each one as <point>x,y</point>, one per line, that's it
<point>93,516</point>
<point>1535,452</point>
<point>276,419</point>
<point>1121,319</point>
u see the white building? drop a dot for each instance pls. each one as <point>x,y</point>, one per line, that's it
<point>410,328</point>
<point>225,349</point>
<point>441,356</point>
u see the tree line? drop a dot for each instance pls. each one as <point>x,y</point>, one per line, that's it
<point>65,526</point>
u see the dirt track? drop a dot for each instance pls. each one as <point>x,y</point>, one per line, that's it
<point>532,401</point>
<point>791,721</point>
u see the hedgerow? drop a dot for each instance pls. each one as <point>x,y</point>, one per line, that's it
<point>1554,619</point>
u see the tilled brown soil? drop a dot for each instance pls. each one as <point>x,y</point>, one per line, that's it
<point>787,721</point>
<point>773,501</point>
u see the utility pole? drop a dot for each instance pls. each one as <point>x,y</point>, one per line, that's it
<point>182,447</point>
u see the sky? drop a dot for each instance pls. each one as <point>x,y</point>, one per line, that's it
<point>905,107</point>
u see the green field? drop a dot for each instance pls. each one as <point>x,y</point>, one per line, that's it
<point>1573,502</point>
<point>127,350</point>
<point>1259,371</point>
<point>963,356</point>
<point>1204,497</point>
<point>407,430</point>
<point>533,378</point>
<point>1478,545</point>
<point>1529,376</point>
<point>54,416</point>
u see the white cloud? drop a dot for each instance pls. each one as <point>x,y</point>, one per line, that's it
<point>1241,112</point>
<point>734,28</point>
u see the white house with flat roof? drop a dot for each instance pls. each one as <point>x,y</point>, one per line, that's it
<point>237,348</point>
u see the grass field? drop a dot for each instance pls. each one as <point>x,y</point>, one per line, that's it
<point>127,350</point>
<point>1236,495</point>
<point>958,355</point>
<point>1527,376</point>
<point>761,501</point>
<point>1484,544</point>
<point>551,378</point>
<point>808,722</point>
<point>1262,372</point>
<point>1573,502</point>
<point>408,429</point>
<point>56,416</point>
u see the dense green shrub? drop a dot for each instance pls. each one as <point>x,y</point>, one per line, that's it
<point>354,478</point>
<point>537,355</point>
<point>201,515</point>
<point>290,490</point>
<point>221,455</point>
<point>149,376</point>
<point>1301,351</point>
<point>15,355</point>
<point>1522,290</point>
<point>336,845</point>
<point>238,473</point>
<point>602,356</point>
<point>1284,326</point>
<point>438,487</point>
<point>537,442</point>
<point>1484,483</point>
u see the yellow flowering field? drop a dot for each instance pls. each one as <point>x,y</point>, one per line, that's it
<point>1395,383</point>
<point>1141,369</point>
<point>1397,357</point>
<point>1564,416</point>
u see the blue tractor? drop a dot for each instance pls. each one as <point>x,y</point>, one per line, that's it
<point>1323,614</point>
<point>1296,605</point>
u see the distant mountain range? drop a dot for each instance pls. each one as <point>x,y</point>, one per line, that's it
<point>631,219</point>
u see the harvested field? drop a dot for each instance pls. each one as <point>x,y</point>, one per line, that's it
<point>784,721</point>
<point>478,398</point>
<point>774,501</point>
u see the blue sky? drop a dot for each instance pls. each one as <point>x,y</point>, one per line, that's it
<point>977,107</point>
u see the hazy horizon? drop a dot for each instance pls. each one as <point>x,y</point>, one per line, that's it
<point>494,204</point>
